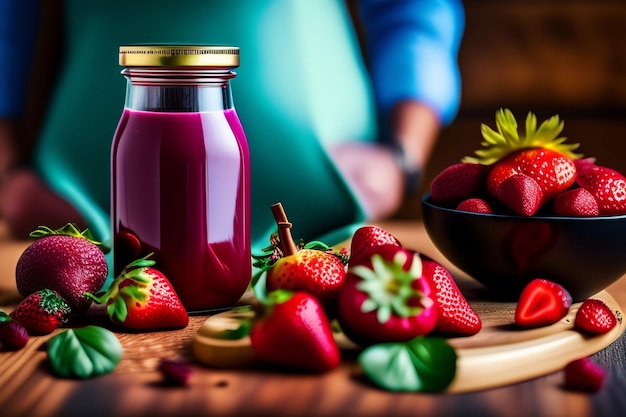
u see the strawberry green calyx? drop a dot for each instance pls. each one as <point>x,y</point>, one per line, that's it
<point>70,229</point>
<point>389,287</point>
<point>507,139</point>
<point>133,283</point>
<point>51,303</point>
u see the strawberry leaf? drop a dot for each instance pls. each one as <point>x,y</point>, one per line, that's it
<point>424,364</point>
<point>117,310</point>
<point>84,352</point>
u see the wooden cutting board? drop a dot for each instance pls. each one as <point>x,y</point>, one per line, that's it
<point>500,354</point>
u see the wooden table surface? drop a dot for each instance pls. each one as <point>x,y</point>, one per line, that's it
<point>27,387</point>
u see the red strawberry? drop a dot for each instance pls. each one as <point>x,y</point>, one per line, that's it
<point>296,333</point>
<point>606,185</point>
<point>475,205</point>
<point>520,193</point>
<point>41,312</point>
<point>576,202</point>
<point>540,154</point>
<point>456,315</point>
<point>584,375</point>
<point>458,182</point>
<point>541,303</point>
<point>366,240</point>
<point>553,171</point>
<point>141,297</point>
<point>67,261</point>
<point>594,316</point>
<point>314,268</point>
<point>317,272</point>
<point>386,298</point>
<point>13,336</point>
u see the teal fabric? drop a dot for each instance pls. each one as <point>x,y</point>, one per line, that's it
<point>301,84</point>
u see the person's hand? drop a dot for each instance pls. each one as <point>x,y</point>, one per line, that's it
<point>373,174</point>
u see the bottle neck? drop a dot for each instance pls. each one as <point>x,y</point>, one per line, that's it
<point>178,89</point>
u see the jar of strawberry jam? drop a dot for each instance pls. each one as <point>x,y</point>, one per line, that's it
<point>180,172</point>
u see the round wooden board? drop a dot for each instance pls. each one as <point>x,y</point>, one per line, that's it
<point>500,354</point>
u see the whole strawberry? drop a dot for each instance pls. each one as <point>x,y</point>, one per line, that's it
<point>318,272</point>
<point>295,332</point>
<point>521,193</point>
<point>65,260</point>
<point>366,240</point>
<point>386,298</point>
<point>606,185</point>
<point>475,205</point>
<point>456,317</point>
<point>594,316</point>
<point>458,182</point>
<point>583,375</point>
<point>540,154</point>
<point>576,202</point>
<point>41,312</point>
<point>142,298</point>
<point>314,267</point>
<point>13,336</point>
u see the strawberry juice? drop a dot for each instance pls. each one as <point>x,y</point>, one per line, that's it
<point>180,189</point>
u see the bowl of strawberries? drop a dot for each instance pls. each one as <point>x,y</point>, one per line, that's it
<point>527,206</point>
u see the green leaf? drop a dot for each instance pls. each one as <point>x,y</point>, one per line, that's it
<point>4,317</point>
<point>118,311</point>
<point>424,364</point>
<point>240,332</point>
<point>84,352</point>
<point>434,360</point>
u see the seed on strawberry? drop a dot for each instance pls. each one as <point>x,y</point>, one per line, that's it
<point>65,260</point>
<point>458,182</point>
<point>41,312</point>
<point>475,205</point>
<point>13,336</point>
<point>520,193</point>
<point>366,239</point>
<point>584,375</point>
<point>576,202</point>
<point>594,316</point>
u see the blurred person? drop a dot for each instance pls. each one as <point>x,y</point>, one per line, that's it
<point>337,134</point>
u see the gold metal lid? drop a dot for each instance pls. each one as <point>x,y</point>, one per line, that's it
<point>179,56</point>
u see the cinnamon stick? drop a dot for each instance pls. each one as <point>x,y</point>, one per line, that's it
<point>287,245</point>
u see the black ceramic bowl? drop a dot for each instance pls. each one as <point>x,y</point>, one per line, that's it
<point>505,252</point>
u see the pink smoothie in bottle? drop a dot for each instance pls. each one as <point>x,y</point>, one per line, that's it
<point>180,189</point>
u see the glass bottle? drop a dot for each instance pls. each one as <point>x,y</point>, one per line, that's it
<point>180,172</point>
